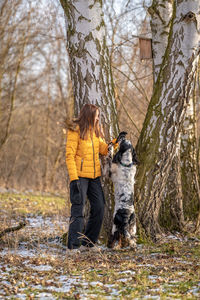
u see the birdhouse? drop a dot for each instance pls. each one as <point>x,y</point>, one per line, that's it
<point>145,48</point>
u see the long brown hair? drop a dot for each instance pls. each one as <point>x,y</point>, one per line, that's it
<point>86,121</point>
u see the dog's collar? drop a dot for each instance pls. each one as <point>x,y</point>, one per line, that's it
<point>127,166</point>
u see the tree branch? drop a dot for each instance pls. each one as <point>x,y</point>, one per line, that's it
<point>12,229</point>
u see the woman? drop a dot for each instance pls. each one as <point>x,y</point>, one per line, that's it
<point>84,143</point>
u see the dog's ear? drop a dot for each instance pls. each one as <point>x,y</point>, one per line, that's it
<point>117,157</point>
<point>134,157</point>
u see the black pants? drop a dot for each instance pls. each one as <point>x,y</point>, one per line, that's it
<point>92,189</point>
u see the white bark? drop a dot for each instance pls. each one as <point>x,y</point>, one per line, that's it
<point>89,58</point>
<point>178,71</point>
<point>157,143</point>
<point>171,214</point>
<point>189,160</point>
<point>161,14</point>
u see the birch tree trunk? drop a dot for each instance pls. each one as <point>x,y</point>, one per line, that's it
<point>189,160</point>
<point>157,143</point>
<point>89,59</point>
<point>161,17</point>
<point>171,212</point>
<point>91,70</point>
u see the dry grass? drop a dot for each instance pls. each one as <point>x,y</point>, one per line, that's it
<point>34,263</point>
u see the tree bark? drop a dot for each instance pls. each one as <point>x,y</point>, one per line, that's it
<point>171,213</point>
<point>89,59</point>
<point>189,160</point>
<point>91,71</point>
<point>161,17</point>
<point>157,143</point>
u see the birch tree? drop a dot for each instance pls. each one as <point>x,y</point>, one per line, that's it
<point>182,183</point>
<point>89,59</point>
<point>189,159</point>
<point>171,212</point>
<point>90,69</point>
<point>157,144</point>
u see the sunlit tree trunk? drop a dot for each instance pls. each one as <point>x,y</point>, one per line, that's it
<point>161,16</point>
<point>171,212</point>
<point>171,215</point>
<point>157,144</point>
<point>89,58</point>
<point>198,148</point>
<point>189,160</point>
<point>90,69</point>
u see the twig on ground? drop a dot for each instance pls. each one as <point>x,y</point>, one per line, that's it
<point>12,229</point>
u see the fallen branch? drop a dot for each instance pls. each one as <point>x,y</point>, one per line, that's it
<point>11,229</point>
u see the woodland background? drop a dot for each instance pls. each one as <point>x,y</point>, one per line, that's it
<point>36,89</point>
<point>35,100</point>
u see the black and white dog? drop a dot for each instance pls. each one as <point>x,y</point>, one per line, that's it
<point>123,171</point>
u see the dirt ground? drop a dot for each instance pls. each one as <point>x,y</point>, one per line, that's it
<point>34,263</point>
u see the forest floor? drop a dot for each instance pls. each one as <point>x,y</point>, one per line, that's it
<point>34,263</point>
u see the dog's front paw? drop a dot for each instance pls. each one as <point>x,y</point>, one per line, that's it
<point>133,245</point>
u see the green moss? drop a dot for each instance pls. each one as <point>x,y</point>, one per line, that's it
<point>142,237</point>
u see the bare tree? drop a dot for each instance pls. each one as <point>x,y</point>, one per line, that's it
<point>171,214</point>
<point>171,211</point>
<point>33,81</point>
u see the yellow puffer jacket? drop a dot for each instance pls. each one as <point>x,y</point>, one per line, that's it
<point>82,156</point>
